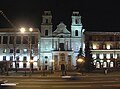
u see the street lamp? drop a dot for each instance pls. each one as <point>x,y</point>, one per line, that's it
<point>52,65</point>
<point>80,60</point>
<point>30,47</point>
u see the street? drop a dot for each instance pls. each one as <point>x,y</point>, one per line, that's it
<point>58,83</point>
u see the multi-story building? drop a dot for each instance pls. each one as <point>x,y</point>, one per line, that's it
<point>15,47</point>
<point>60,44</point>
<point>105,48</point>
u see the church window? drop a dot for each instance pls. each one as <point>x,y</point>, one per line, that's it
<point>77,21</point>
<point>46,32</point>
<point>46,20</point>
<point>76,32</point>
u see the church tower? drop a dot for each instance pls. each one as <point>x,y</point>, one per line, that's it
<point>46,25</point>
<point>76,25</point>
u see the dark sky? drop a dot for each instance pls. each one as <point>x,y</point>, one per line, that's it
<point>97,15</point>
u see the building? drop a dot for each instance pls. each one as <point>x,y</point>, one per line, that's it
<point>60,45</point>
<point>15,47</point>
<point>105,48</point>
<point>49,48</point>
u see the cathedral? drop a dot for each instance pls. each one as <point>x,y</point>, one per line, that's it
<point>62,45</point>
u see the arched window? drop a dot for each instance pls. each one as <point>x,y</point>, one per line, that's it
<point>76,32</point>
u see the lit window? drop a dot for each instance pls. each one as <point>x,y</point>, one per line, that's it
<point>25,50</point>
<point>5,51</point>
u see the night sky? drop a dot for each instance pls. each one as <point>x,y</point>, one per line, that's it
<point>97,15</point>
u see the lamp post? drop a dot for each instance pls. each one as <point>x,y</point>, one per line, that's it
<point>30,48</point>
<point>80,61</point>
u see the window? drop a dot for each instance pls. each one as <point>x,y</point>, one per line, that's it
<point>11,40</point>
<point>4,58</point>
<point>11,58</point>
<point>0,39</point>
<point>46,20</point>
<point>46,32</point>
<point>5,39</point>
<point>17,58</point>
<point>77,21</point>
<point>61,46</point>
<point>25,39</point>
<point>18,40</point>
<point>97,56</point>
<point>33,40</point>
<point>111,55</point>
<point>25,50</point>
<point>24,58</point>
<point>11,50</point>
<point>104,55</point>
<point>18,51</point>
<point>76,32</point>
<point>4,50</point>
<point>118,56</point>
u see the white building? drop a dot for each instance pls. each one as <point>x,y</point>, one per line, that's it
<point>61,45</point>
<point>15,47</point>
<point>50,47</point>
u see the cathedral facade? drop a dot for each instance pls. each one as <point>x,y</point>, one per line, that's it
<point>60,46</point>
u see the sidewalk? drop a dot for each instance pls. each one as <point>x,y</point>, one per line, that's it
<point>47,74</point>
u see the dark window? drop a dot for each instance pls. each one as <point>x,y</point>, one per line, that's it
<point>18,40</point>
<point>118,56</point>
<point>25,39</point>
<point>61,46</point>
<point>18,51</point>
<point>11,58</point>
<point>76,32</point>
<point>46,32</point>
<point>111,55</point>
<point>17,58</point>
<point>97,55</point>
<point>0,39</point>
<point>11,50</point>
<point>25,58</point>
<point>11,40</point>
<point>104,55</point>
<point>33,40</point>
<point>46,20</point>
<point>4,58</point>
<point>5,39</point>
<point>77,21</point>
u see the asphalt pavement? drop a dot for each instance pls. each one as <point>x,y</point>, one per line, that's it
<point>47,74</point>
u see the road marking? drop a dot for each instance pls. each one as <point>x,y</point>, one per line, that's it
<point>73,86</point>
<point>115,85</point>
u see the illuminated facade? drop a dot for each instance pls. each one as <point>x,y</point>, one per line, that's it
<point>60,44</point>
<point>105,48</point>
<point>15,47</point>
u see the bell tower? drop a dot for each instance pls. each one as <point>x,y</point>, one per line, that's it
<point>46,25</point>
<point>76,25</point>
